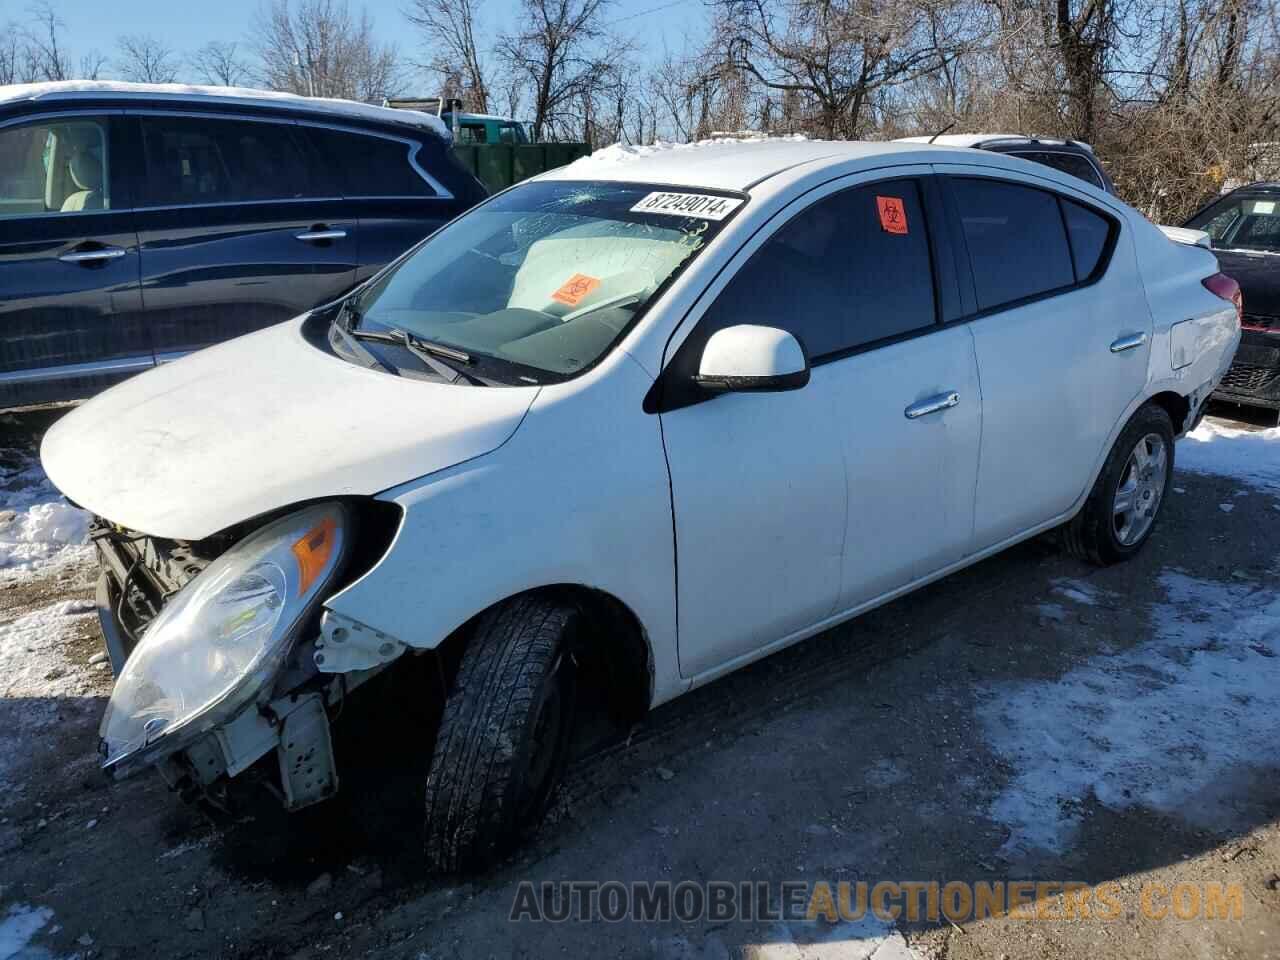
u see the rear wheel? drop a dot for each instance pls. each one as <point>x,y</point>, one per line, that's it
<point>1122,508</point>
<point>504,735</point>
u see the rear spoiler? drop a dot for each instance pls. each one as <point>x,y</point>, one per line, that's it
<point>1192,238</point>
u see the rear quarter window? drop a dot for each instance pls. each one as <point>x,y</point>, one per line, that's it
<point>1089,233</point>
<point>372,166</point>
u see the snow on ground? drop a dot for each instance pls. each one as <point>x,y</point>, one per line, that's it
<point>849,940</point>
<point>40,533</point>
<point>1166,725</point>
<point>37,679</point>
<point>17,926</point>
<point>1216,448</point>
<point>617,153</point>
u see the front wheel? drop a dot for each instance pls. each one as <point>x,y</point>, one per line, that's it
<point>504,735</point>
<point>1121,511</point>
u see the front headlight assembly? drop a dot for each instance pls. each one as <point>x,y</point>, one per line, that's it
<point>220,641</point>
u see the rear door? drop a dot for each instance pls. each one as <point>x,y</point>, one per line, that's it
<point>389,180</point>
<point>1063,331</point>
<point>240,225</point>
<point>70,309</point>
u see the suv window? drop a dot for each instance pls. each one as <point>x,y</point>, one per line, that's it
<point>1071,163</point>
<point>1016,239</point>
<point>372,166</point>
<point>839,275</point>
<point>192,160</point>
<point>54,167</point>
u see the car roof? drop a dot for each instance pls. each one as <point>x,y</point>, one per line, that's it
<point>991,141</point>
<point>170,92</point>
<point>736,165</point>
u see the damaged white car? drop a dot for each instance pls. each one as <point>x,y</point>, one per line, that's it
<point>666,417</point>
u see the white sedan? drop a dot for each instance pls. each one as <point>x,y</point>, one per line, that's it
<point>633,426</point>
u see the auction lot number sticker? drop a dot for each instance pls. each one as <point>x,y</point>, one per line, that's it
<point>702,205</point>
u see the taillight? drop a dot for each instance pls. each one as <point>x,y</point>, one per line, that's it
<point>1220,285</point>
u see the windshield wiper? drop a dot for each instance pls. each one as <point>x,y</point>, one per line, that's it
<point>437,356</point>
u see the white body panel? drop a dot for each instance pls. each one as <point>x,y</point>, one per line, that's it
<point>791,510</point>
<point>258,423</point>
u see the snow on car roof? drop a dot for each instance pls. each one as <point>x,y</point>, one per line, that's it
<point>726,164</point>
<point>161,91</point>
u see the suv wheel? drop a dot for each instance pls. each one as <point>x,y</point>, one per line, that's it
<point>504,734</point>
<point>1122,508</point>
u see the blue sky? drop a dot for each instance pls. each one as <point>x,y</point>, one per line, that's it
<point>187,25</point>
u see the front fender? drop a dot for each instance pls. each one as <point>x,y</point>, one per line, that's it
<point>579,495</point>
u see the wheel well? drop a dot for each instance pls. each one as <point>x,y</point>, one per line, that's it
<point>613,653</point>
<point>1177,406</point>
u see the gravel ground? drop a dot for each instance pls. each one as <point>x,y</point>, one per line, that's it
<point>1029,718</point>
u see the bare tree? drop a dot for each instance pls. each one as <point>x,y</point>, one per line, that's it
<point>218,63</point>
<point>144,59</point>
<point>44,54</point>
<point>448,29</point>
<point>562,54</point>
<point>92,64</point>
<point>317,48</point>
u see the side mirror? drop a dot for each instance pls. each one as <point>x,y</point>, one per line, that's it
<point>749,358</point>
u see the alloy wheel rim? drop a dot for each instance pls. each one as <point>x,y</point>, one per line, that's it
<point>1140,490</point>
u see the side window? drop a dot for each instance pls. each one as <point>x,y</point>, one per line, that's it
<point>370,165</point>
<point>1016,239</point>
<point>849,270</point>
<point>1072,163</point>
<point>54,166</point>
<point>1089,233</point>
<point>192,160</point>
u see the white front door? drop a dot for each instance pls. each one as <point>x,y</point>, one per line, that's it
<point>790,507</point>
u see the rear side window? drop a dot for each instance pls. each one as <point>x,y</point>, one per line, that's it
<point>202,160</point>
<point>1089,233</point>
<point>1016,239</point>
<point>372,166</point>
<point>1071,163</point>
<point>851,269</point>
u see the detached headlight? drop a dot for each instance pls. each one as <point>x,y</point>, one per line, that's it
<point>222,638</point>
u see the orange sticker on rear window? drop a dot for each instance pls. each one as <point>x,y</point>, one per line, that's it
<point>573,290</point>
<point>893,218</point>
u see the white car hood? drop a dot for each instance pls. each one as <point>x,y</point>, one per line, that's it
<point>261,422</point>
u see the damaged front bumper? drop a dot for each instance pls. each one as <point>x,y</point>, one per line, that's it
<point>289,717</point>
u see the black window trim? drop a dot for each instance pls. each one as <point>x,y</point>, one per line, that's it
<point>1104,260</point>
<point>440,191</point>
<point>948,308</point>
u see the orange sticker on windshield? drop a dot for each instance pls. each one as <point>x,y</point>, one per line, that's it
<point>575,289</point>
<point>893,218</point>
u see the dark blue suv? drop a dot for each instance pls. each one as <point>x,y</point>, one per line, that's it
<point>140,223</point>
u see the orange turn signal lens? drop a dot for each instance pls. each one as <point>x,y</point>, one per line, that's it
<point>313,552</point>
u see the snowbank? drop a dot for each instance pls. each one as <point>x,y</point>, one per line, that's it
<point>1249,455</point>
<point>351,108</point>
<point>19,924</point>
<point>1170,725</point>
<point>614,154</point>
<point>40,533</point>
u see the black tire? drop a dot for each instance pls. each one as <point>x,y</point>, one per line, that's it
<point>1093,535</point>
<point>504,734</point>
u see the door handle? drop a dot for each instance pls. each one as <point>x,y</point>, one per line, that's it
<point>93,256</point>
<point>933,404</point>
<point>1128,343</point>
<point>320,234</point>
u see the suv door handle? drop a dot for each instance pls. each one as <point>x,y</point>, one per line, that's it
<point>319,234</point>
<point>933,404</point>
<point>1128,343</point>
<point>93,256</point>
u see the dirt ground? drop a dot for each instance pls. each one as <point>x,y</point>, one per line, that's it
<point>1029,718</point>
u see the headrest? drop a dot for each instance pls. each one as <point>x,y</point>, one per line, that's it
<point>86,168</point>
